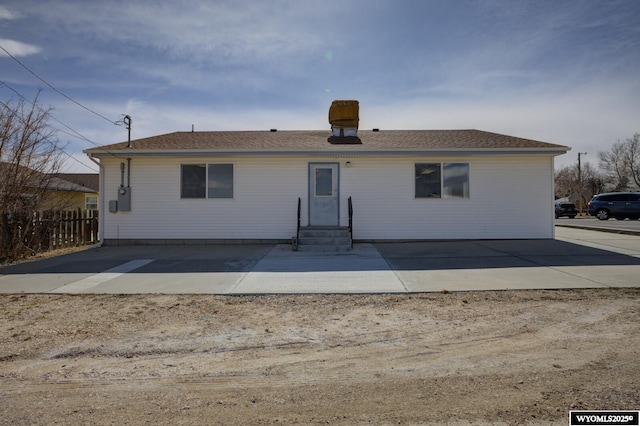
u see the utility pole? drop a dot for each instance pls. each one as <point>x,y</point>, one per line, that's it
<point>127,122</point>
<point>580,182</point>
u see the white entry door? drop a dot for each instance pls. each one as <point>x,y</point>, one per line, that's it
<point>323,194</point>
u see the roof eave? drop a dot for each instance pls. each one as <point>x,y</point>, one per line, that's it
<point>136,153</point>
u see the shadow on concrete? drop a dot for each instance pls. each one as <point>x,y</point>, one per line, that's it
<point>441,255</point>
<point>167,259</point>
<point>432,255</point>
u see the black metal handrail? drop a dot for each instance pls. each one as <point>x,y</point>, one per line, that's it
<point>350,203</point>
<point>298,228</point>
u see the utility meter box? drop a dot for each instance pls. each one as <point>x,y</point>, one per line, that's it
<point>124,198</point>
<point>113,206</point>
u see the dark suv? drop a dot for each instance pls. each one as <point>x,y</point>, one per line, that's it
<point>566,209</point>
<point>619,205</point>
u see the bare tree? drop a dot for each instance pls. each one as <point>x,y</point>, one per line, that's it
<point>29,159</point>
<point>593,182</point>
<point>633,158</point>
<point>567,183</point>
<point>622,164</point>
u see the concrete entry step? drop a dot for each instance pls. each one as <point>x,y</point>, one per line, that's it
<point>324,239</point>
<point>326,248</point>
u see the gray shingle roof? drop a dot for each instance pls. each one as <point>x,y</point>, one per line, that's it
<point>291,140</point>
<point>87,180</point>
<point>59,184</point>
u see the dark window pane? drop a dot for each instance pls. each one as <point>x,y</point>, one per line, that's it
<point>193,181</point>
<point>220,181</point>
<point>428,180</point>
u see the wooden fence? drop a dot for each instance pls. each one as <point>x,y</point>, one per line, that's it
<point>49,230</point>
<point>73,228</point>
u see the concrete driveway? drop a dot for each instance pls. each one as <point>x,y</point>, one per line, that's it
<point>575,259</point>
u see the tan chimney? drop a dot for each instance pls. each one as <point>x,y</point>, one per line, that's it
<point>343,117</point>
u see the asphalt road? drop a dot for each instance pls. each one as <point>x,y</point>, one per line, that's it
<point>592,222</point>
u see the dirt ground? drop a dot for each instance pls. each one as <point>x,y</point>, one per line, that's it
<point>511,357</point>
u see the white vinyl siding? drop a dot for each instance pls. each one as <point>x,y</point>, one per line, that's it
<point>510,197</point>
<point>264,206</point>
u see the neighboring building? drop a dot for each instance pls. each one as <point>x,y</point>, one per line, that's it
<point>60,191</point>
<point>86,186</point>
<point>243,186</point>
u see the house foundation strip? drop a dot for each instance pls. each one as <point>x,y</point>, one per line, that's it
<point>102,277</point>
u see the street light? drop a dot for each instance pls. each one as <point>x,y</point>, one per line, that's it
<point>580,182</point>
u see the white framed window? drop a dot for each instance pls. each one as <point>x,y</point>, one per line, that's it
<point>91,202</point>
<point>441,180</point>
<point>213,180</point>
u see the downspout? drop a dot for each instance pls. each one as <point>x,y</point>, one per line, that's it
<point>101,210</point>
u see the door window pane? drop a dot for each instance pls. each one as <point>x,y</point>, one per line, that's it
<point>324,182</point>
<point>220,181</point>
<point>428,183</point>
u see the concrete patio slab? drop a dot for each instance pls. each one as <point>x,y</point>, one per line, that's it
<point>362,270</point>
<point>575,259</point>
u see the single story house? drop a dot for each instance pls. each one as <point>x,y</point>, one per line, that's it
<point>51,191</point>
<point>82,189</point>
<point>244,186</point>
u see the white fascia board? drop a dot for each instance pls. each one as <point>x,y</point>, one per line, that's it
<point>133,153</point>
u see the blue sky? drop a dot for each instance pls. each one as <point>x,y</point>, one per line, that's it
<point>565,72</point>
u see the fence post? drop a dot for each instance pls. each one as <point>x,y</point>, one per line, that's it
<point>78,227</point>
<point>63,229</point>
<point>6,233</point>
<point>95,226</point>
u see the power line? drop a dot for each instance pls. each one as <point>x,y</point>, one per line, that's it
<point>52,87</point>
<point>75,133</point>
<point>54,145</point>
<point>79,136</point>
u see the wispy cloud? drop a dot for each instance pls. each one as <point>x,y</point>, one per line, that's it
<point>563,72</point>
<point>196,31</point>
<point>17,48</point>
<point>8,14</point>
